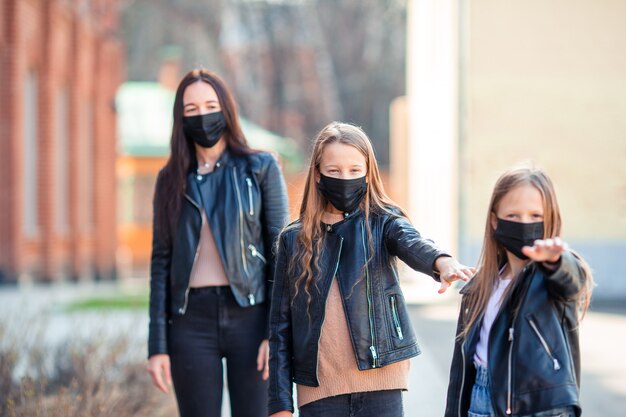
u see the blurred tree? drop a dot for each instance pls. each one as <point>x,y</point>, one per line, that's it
<point>295,65</point>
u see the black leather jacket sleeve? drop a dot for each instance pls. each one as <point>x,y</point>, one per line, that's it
<point>405,242</point>
<point>280,383</point>
<point>275,217</point>
<point>159,273</point>
<point>567,280</point>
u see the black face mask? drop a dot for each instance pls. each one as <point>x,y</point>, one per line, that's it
<point>204,129</point>
<point>344,195</point>
<point>514,235</point>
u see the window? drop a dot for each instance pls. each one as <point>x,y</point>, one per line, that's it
<point>30,171</point>
<point>61,162</point>
<point>86,177</point>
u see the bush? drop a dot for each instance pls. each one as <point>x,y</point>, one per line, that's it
<point>85,377</point>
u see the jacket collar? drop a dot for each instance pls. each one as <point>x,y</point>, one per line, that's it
<point>346,217</point>
<point>222,161</point>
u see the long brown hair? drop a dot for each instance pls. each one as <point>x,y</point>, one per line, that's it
<point>493,254</point>
<point>173,177</point>
<point>310,237</point>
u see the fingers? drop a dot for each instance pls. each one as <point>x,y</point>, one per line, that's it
<point>157,380</point>
<point>168,373</point>
<point>159,367</point>
<point>467,273</point>
<point>462,272</point>
<point>266,371</point>
<point>545,250</point>
<point>444,286</point>
<point>263,359</point>
<point>454,271</point>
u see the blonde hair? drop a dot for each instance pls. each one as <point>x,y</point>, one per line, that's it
<point>310,238</point>
<point>493,254</point>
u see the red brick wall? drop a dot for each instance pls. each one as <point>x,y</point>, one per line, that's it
<point>82,53</point>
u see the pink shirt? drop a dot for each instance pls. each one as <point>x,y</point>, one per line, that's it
<point>208,270</point>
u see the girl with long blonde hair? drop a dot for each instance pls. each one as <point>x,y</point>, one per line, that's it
<point>517,351</point>
<point>339,325</point>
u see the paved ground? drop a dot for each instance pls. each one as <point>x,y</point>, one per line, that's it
<point>603,335</point>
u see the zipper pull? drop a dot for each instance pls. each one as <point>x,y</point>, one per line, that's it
<point>251,299</point>
<point>511,331</point>
<point>557,365</point>
<point>400,335</point>
<point>374,356</point>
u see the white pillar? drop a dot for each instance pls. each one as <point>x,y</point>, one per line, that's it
<point>431,149</point>
<point>432,86</point>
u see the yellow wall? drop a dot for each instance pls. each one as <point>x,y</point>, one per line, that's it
<point>547,81</point>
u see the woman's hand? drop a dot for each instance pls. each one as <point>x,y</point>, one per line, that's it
<point>451,270</point>
<point>282,414</point>
<point>548,250</point>
<point>160,371</point>
<point>263,359</point>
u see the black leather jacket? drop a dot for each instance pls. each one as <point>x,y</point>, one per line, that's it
<point>377,316</point>
<point>252,211</point>
<point>534,358</point>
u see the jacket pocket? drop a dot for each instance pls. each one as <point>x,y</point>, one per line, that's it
<point>395,317</point>
<point>256,254</point>
<point>250,187</point>
<point>543,341</point>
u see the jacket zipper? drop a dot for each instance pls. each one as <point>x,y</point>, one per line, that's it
<point>251,299</point>
<point>324,316</point>
<point>509,398</point>
<point>396,319</point>
<point>555,361</point>
<point>183,309</point>
<point>255,253</point>
<point>249,182</point>
<point>462,375</point>
<point>510,365</point>
<point>370,306</point>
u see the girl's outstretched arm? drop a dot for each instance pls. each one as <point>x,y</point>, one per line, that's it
<point>564,270</point>
<point>405,242</point>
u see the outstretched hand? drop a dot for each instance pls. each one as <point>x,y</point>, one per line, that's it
<point>451,270</point>
<point>548,250</point>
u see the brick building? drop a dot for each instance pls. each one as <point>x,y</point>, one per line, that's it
<point>61,62</point>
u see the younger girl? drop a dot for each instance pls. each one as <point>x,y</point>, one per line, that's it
<point>517,346</point>
<point>339,327</point>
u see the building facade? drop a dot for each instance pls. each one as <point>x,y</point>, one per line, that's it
<point>61,62</point>
<point>494,84</point>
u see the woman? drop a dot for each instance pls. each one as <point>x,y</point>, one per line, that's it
<point>218,207</point>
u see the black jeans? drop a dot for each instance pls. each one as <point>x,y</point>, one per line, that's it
<point>216,327</point>
<point>361,404</point>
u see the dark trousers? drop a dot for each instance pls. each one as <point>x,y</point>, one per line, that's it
<point>216,327</point>
<point>361,404</point>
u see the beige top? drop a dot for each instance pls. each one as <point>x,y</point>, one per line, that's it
<point>208,270</point>
<point>337,369</point>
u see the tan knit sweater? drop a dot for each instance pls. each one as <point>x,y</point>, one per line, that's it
<point>208,270</point>
<point>337,369</point>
